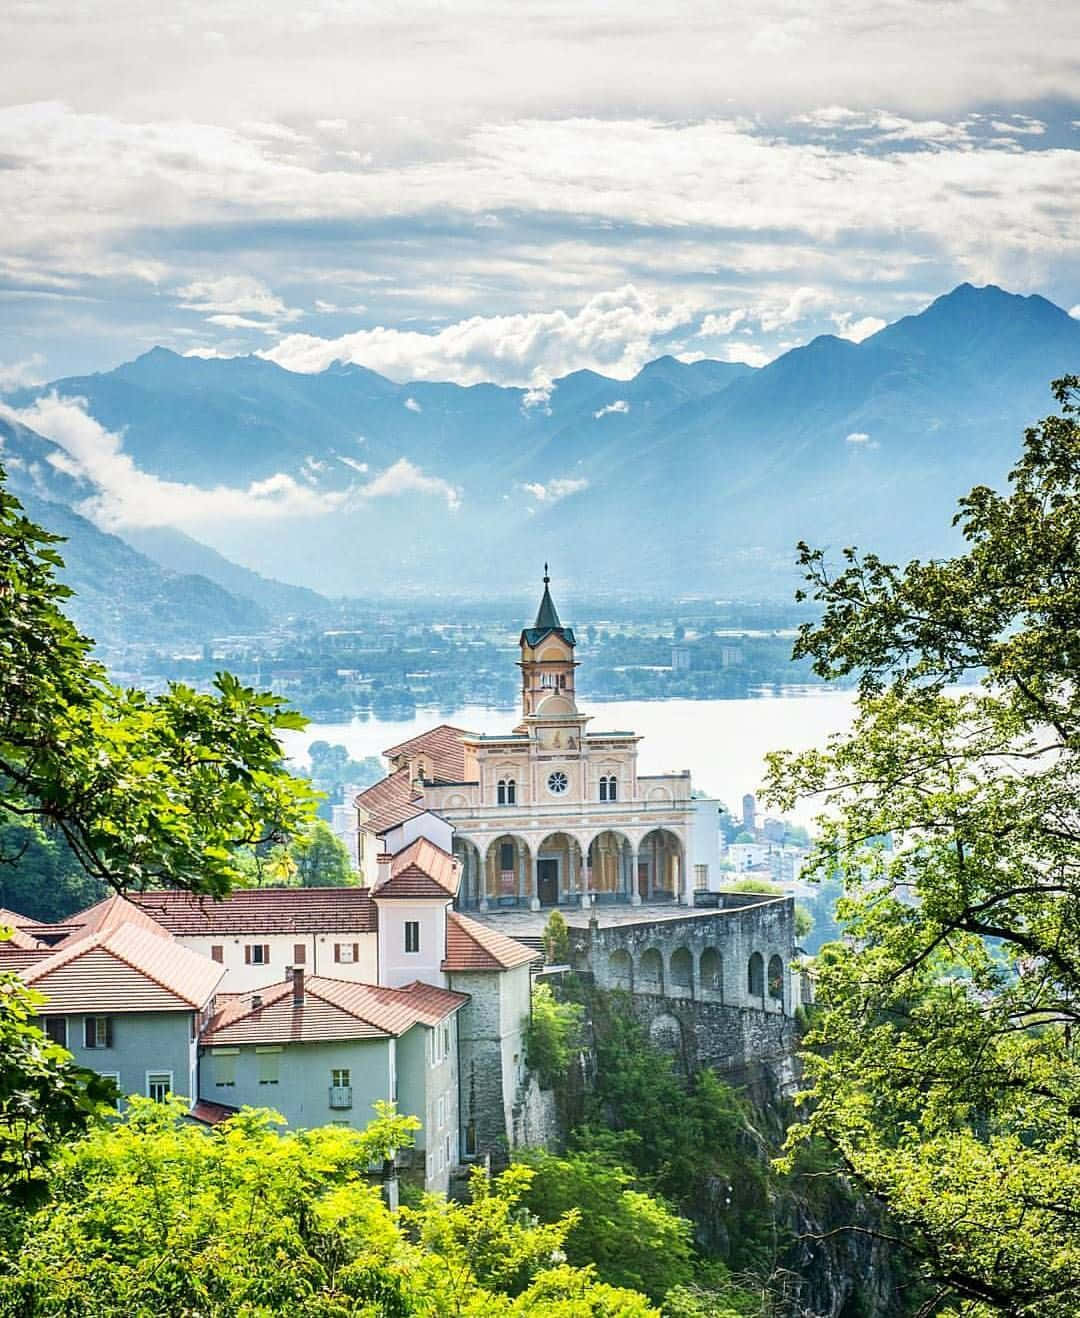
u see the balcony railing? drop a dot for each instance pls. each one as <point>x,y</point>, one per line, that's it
<point>341,1096</point>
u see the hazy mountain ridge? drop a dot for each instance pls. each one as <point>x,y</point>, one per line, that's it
<point>686,478</point>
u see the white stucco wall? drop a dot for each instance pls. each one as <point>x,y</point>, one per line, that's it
<point>240,976</point>
<point>398,967</point>
<point>425,825</point>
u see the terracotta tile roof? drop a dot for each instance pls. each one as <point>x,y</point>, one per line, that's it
<point>332,1009</point>
<point>13,957</point>
<point>263,911</point>
<point>473,946</point>
<point>212,1114</point>
<point>390,801</point>
<point>124,969</point>
<point>422,869</point>
<point>442,746</point>
<point>19,937</point>
<point>111,914</point>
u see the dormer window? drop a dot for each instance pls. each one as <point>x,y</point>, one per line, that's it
<point>506,791</point>
<point>609,787</point>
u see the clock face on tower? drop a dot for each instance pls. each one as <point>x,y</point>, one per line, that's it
<point>557,782</point>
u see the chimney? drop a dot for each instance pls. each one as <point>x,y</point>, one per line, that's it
<point>383,862</point>
<point>298,986</point>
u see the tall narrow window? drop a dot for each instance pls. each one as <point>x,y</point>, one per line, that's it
<point>98,1032</point>
<point>269,1065</point>
<point>511,791</point>
<point>56,1029</point>
<point>225,1067</point>
<point>506,856</point>
<point>612,788</point>
<point>500,792</point>
<point>299,954</point>
<point>412,935</point>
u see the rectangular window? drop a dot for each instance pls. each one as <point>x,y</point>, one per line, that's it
<point>158,1085</point>
<point>55,1028</point>
<point>442,1111</point>
<point>341,1077</point>
<point>506,855</point>
<point>225,1067</point>
<point>217,953</point>
<point>269,1065</point>
<point>470,1140</point>
<point>98,1032</point>
<point>701,876</point>
<point>412,935</point>
<point>257,954</point>
<point>446,1150</point>
<point>299,954</point>
<point>346,952</point>
<point>446,1040</point>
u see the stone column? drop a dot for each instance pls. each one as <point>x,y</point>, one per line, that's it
<point>635,895</point>
<point>485,867</point>
<point>522,877</point>
<point>534,900</point>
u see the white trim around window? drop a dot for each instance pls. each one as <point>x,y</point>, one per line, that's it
<point>154,1081</point>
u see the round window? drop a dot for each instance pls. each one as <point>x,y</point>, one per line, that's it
<point>558,782</point>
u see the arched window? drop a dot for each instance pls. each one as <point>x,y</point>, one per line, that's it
<point>776,979</point>
<point>608,787</point>
<point>511,791</point>
<point>755,976</point>
<point>500,792</point>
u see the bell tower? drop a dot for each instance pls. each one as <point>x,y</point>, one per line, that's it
<point>547,663</point>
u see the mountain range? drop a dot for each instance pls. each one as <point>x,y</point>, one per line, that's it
<point>687,479</point>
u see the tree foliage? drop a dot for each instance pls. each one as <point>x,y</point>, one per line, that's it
<point>944,1066</point>
<point>154,1217</point>
<point>144,790</point>
<point>552,1036</point>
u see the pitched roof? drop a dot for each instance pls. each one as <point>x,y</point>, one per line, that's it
<point>332,1009</point>
<point>124,969</point>
<point>474,946</point>
<point>263,911</point>
<point>547,620</point>
<point>390,801</point>
<point>212,1114</point>
<point>422,870</point>
<point>14,957</point>
<point>111,914</point>
<point>19,937</point>
<point>442,745</point>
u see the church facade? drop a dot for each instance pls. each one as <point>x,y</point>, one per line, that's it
<point>553,812</point>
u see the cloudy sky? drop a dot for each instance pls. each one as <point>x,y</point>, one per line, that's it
<point>469,191</point>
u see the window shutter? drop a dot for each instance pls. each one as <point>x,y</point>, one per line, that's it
<point>337,951</point>
<point>299,954</point>
<point>247,953</point>
<point>88,1031</point>
<point>356,951</point>
<point>266,954</point>
<point>217,953</point>
<point>108,1032</point>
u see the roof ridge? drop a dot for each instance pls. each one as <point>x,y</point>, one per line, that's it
<point>141,970</point>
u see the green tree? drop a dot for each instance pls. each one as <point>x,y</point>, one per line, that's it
<point>552,1035</point>
<point>143,789</point>
<point>633,1239</point>
<point>556,938</point>
<point>943,1067</point>
<point>156,1217</point>
<point>320,859</point>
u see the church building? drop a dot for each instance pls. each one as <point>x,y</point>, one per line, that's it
<point>550,813</point>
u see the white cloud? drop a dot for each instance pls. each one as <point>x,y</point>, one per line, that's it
<point>354,463</point>
<point>1075,312</point>
<point>403,477</point>
<point>560,488</point>
<point>620,405</point>
<point>856,330</point>
<point>802,302</point>
<point>233,299</point>
<point>750,354</point>
<point>538,395</point>
<point>613,332</point>
<point>1020,123</point>
<point>128,496</point>
<point>28,371</point>
<point>411,405</point>
<point>715,326</point>
<point>857,437</point>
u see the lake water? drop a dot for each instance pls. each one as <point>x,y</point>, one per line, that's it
<point>722,742</point>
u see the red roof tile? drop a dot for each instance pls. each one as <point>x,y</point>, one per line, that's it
<point>263,911</point>
<point>332,1009</point>
<point>390,801</point>
<point>212,1114</point>
<point>441,745</point>
<point>474,946</point>
<point>422,869</point>
<point>124,969</point>
<point>111,914</point>
<point>18,936</point>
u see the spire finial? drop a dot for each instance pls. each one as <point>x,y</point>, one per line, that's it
<point>547,579</point>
